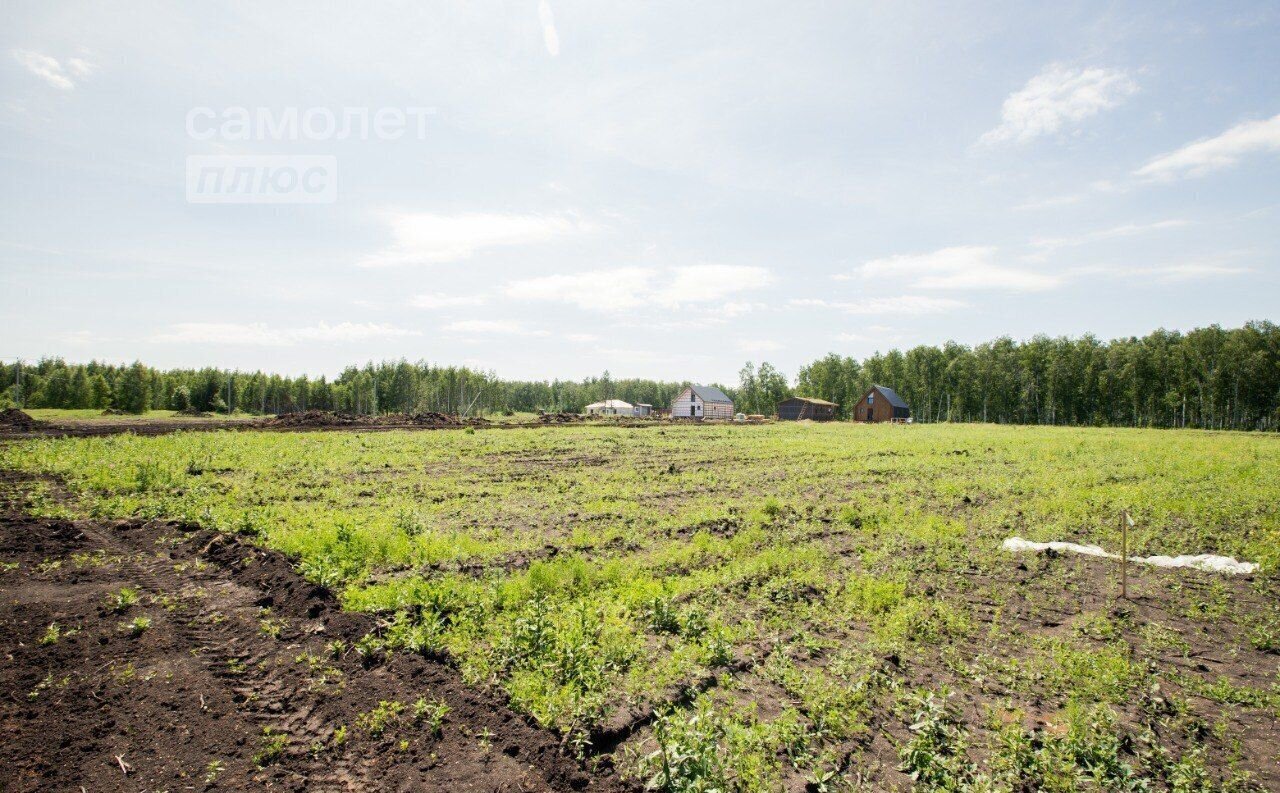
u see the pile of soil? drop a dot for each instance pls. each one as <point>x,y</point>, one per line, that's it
<point>314,418</point>
<point>193,412</point>
<point>114,412</point>
<point>559,418</point>
<point>428,419</point>
<point>324,419</point>
<point>14,419</point>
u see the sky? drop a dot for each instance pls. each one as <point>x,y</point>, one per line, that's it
<point>554,189</point>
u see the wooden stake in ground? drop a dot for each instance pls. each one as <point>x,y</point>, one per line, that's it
<point>1125,523</point>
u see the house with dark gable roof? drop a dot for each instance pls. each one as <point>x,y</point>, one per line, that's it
<point>702,402</point>
<point>881,404</point>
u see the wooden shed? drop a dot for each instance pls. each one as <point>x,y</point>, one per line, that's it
<point>702,402</point>
<point>798,408</point>
<point>881,404</point>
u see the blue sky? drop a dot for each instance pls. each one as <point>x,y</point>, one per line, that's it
<point>657,189</point>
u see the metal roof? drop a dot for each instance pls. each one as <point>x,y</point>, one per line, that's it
<point>891,395</point>
<point>617,404</point>
<point>708,393</point>
<point>812,401</point>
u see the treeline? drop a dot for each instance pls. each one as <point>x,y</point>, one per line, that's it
<point>392,386</point>
<point>1210,377</point>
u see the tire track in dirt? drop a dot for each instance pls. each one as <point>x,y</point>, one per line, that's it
<point>238,643</point>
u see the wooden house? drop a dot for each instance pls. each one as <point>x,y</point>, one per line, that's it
<point>702,402</point>
<point>881,404</point>
<point>798,408</point>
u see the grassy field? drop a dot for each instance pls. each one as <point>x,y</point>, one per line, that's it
<point>780,605</point>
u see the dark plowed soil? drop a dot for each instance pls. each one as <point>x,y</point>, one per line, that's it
<point>324,419</point>
<point>14,420</point>
<point>245,678</point>
<point>14,424</point>
<point>559,418</point>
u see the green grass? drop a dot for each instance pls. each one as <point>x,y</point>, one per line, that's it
<point>590,571</point>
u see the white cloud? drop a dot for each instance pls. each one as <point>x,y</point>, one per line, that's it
<point>51,71</point>
<point>1177,272</point>
<point>490,327</point>
<point>759,345</point>
<point>428,238</point>
<point>1058,97</point>
<point>1211,154</point>
<point>263,335</point>
<point>80,67</point>
<point>441,300</point>
<point>1052,202</point>
<point>604,290</point>
<point>548,21</point>
<point>630,288</point>
<point>908,305</point>
<point>709,282</point>
<point>1124,230</point>
<point>736,308</point>
<point>959,267</point>
<point>581,338</point>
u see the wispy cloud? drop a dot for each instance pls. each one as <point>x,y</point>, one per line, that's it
<point>1051,202</point>
<point>490,327</point>
<point>1212,154</point>
<point>967,267</point>
<point>429,238</point>
<point>263,335</point>
<point>53,72</point>
<point>907,305</point>
<point>1058,97</point>
<point>441,300</point>
<point>547,19</point>
<point>1124,230</point>
<point>629,288</point>
<point>1176,272</point>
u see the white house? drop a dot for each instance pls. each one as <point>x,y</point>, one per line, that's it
<point>702,402</point>
<point>611,407</point>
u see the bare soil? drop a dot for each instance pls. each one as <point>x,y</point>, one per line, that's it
<point>240,650</point>
<point>15,420</point>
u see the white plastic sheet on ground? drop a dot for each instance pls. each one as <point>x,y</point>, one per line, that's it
<point>1203,561</point>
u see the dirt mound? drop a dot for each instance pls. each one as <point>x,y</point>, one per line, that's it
<point>559,418</point>
<point>14,419</point>
<point>114,412</point>
<point>428,419</point>
<point>314,418</point>
<point>192,412</point>
<point>327,418</point>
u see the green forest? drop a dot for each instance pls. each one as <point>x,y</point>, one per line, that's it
<point>1208,378</point>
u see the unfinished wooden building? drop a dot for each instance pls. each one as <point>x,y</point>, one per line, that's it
<point>881,404</point>
<point>801,408</point>
<point>702,402</point>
